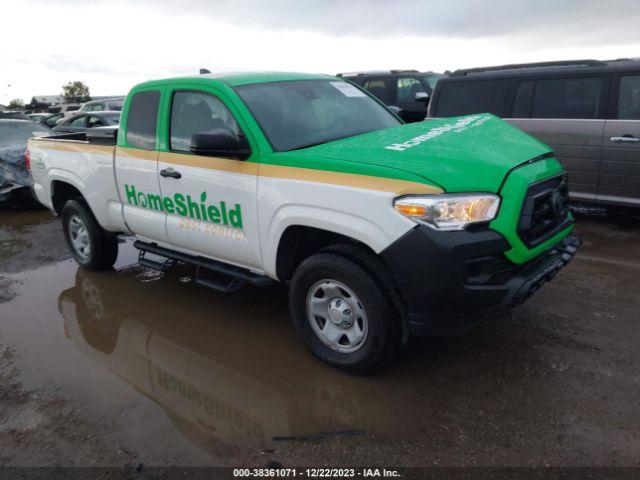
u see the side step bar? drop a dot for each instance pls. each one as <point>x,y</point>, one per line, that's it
<point>210,273</point>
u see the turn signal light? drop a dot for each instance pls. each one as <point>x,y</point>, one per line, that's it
<point>411,210</point>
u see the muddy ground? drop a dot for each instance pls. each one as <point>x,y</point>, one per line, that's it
<point>126,368</point>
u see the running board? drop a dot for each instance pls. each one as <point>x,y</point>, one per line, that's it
<point>210,273</point>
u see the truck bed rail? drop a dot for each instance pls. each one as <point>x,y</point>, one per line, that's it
<point>102,137</point>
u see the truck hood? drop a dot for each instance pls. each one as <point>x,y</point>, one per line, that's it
<point>470,153</point>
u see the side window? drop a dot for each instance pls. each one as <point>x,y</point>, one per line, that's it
<point>52,120</point>
<point>567,98</point>
<point>197,112</point>
<point>81,121</point>
<point>142,120</point>
<point>629,98</point>
<point>378,88</point>
<point>462,98</point>
<point>522,101</point>
<point>407,89</point>
<point>95,122</point>
<point>115,106</point>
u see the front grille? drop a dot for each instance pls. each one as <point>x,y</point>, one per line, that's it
<point>545,211</point>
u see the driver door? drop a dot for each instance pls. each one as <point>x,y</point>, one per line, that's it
<point>212,206</point>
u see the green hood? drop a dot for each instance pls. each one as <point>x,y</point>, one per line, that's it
<point>471,153</point>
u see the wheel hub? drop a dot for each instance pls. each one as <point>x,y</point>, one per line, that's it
<point>340,312</point>
<point>337,315</point>
<point>79,237</point>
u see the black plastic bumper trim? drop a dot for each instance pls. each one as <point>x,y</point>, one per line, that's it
<point>429,269</point>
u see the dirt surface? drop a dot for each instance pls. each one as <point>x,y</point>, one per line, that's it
<point>129,368</point>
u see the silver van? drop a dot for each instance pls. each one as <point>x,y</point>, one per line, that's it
<point>588,111</point>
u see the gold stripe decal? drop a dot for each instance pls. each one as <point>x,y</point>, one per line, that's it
<point>137,153</point>
<point>72,146</point>
<point>400,187</point>
<point>210,163</point>
<point>382,184</point>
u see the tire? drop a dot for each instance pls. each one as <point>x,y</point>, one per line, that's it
<point>342,314</point>
<point>92,247</point>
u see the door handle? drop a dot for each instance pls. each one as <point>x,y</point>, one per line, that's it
<point>170,172</point>
<point>625,139</point>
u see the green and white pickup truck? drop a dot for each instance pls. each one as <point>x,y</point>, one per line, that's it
<point>381,229</point>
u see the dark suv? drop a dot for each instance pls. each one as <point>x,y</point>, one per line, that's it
<point>409,90</point>
<point>588,111</point>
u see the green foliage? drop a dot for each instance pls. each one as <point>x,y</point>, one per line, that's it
<point>76,92</point>
<point>16,104</point>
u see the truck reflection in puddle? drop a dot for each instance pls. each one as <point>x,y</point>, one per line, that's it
<point>227,369</point>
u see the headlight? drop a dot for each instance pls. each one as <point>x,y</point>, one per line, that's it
<point>449,211</point>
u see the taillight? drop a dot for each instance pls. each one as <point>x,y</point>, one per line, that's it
<point>27,159</point>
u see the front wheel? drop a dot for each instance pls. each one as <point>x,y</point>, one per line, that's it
<point>342,314</point>
<point>93,247</point>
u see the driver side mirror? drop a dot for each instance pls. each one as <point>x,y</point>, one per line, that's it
<point>220,142</point>
<point>421,97</point>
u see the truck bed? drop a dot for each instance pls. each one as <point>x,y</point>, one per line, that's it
<point>107,136</point>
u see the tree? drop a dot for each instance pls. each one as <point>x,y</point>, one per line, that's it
<point>76,92</point>
<point>16,104</point>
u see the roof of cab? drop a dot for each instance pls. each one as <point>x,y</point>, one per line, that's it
<point>242,78</point>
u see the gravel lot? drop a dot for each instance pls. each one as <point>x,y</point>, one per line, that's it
<point>127,368</point>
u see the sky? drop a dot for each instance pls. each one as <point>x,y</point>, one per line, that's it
<point>111,45</point>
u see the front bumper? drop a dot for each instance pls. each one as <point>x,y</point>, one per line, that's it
<point>449,281</point>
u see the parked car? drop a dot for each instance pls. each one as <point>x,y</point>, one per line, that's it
<point>37,117</point>
<point>381,229</point>
<point>15,181</point>
<point>10,114</point>
<point>52,119</point>
<point>66,109</point>
<point>108,104</point>
<point>81,122</point>
<point>408,90</point>
<point>588,111</point>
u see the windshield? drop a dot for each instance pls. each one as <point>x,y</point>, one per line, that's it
<point>300,114</point>
<point>432,79</point>
<point>17,133</point>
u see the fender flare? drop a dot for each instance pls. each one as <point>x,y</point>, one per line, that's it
<point>103,213</point>
<point>65,176</point>
<point>358,228</point>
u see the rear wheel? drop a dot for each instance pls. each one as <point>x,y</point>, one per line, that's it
<point>342,314</point>
<point>93,247</point>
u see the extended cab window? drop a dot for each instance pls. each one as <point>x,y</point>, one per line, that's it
<point>197,112</point>
<point>300,114</point>
<point>567,98</point>
<point>462,98</point>
<point>629,98</point>
<point>142,120</point>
